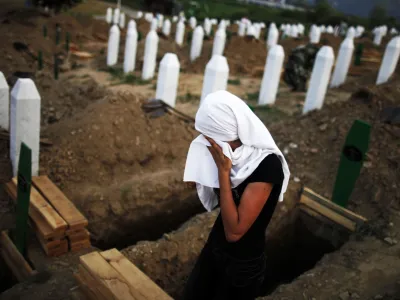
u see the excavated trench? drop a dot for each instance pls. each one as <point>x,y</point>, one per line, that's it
<point>298,247</point>
<point>7,280</point>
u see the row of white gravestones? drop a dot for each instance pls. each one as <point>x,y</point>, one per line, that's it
<point>116,18</point>
<point>21,117</point>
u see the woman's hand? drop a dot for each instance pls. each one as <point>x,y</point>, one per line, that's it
<point>224,164</point>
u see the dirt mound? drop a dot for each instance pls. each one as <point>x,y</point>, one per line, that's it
<point>61,99</point>
<point>26,26</point>
<point>112,160</point>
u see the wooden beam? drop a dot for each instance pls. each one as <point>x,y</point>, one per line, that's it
<point>333,206</point>
<point>142,287</point>
<point>55,221</point>
<point>93,285</point>
<point>338,219</point>
<point>13,258</point>
<point>60,202</point>
<point>108,276</point>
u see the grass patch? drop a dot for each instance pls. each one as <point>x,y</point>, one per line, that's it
<point>234,81</point>
<point>117,75</point>
<point>189,98</point>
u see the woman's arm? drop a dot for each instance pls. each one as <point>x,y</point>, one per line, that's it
<point>237,220</point>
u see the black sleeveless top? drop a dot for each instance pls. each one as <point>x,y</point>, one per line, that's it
<point>253,241</point>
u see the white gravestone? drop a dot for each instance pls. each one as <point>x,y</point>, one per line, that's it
<point>113,46</point>
<point>4,103</point>
<point>192,22</point>
<point>130,49</point>
<point>272,75</point>
<point>390,60</point>
<point>215,76</point>
<point>168,77</point>
<point>180,32</point>
<point>351,33</point>
<point>131,24</point>
<point>294,32</point>
<point>378,36</point>
<point>273,35</point>
<point>154,25</point>
<point>160,21</point>
<point>242,29</point>
<point>175,19</point>
<point>139,15</point>
<point>116,16</point>
<point>166,27</point>
<point>288,31</point>
<point>122,21</point>
<point>219,42</point>
<point>329,29</point>
<point>207,26</point>
<point>150,55</point>
<point>109,15</point>
<point>315,35</point>
<point>197,43</point>
<point>343,62</point>
<point>25,122</point>
<point>319,79</point>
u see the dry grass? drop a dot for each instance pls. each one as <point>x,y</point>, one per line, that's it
<point>91,7</point>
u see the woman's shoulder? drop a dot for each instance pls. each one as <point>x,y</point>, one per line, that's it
<point>271,161</point>
<point>269,170</point>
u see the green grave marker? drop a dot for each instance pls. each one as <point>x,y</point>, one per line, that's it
<point>23,197</point>
<point>358,54</point>
<point>56,69</point>
<point>40,60</point>
<point>351,161</point>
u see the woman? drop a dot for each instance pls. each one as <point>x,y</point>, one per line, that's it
<point>234,163</point>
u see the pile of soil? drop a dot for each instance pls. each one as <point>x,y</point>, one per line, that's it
<point>26,26</point>
<point>63,98</point>
<point>120,166</point>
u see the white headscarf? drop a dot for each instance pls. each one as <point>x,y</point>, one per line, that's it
<point>224,117</point>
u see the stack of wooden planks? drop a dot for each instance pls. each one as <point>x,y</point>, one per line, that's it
<point>110,275</point>
<point>58,224</point>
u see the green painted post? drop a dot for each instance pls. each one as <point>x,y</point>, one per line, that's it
<point>351,161</point>
<point>40,60</point>
<point>358,54</point>
<point>55,67</point>
<point>67,40</point>
<point>23,197</point>
<point>58,35</point>
<point>44,30</point>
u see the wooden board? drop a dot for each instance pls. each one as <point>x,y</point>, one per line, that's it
<point>60,202</point>
<point>79,235</point>
<point>85,288</point>
<point>13,258</point>
<point>55,221</point>
<point>77,246</point>
<point>338,219</point>
<point>38,223</point>
<point>143,288</point>
<point>95,286</point>
<point>54,248</point>
<point>336,208</point>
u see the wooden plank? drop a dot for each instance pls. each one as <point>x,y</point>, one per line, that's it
<point>338,219</point>
<point>85,288</point>
<point>337,208</point>
<point>80,235</point>
<point>38,223</point>
<point>12,266</point>
<point>101,292</point>
<point>60,250</point>
<point>143,287</point>
<point>45,209</point>
<point>108,276</point>
<point>77,246</point>
<point>15,260</point>
<point>60,202</point>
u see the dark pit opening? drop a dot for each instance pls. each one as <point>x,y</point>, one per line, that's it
<point>7,279</point>
<point>151,228</point>
<point>298,247</point>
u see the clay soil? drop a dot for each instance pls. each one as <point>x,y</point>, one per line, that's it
<point>124,169</point>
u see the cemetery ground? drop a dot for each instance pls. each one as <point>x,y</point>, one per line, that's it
<point>124,170</point>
